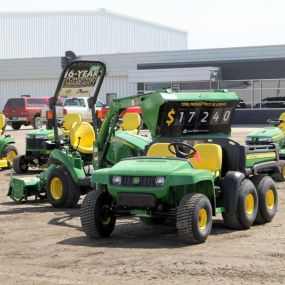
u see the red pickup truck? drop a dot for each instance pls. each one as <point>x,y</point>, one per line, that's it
<point>24,111</point>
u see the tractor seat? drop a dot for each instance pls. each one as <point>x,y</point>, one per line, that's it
<point>210,158</point>
<point>68,122</point>
<point>131,123</point>
<point>82,137</point>
<point>159,149</point>
<point>281,126</point>
<point>2,123</point>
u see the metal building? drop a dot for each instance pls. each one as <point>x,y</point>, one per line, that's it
<point>44,34</point>
<point>254,72</point>
<point>159,59</point>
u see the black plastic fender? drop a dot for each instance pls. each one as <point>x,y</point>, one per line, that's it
<point>230,187</point>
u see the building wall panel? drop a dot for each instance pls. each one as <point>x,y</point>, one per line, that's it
<point>46,87</point>
<point>99,32</point>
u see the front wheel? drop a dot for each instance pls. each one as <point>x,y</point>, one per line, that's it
<point>194,218</point>
<point>9,154</point>
<point>61,190</point>
<point>16,125</point>
<point>20,164</point>
<point>96,215</point>
<point>247,208</point>
<point>37,123</point>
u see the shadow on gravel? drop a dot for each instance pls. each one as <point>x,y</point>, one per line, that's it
<point>33,206</point>
<point>31,173</point>
<point>131,233</point>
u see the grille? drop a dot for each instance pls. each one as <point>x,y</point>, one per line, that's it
<point>143,180</point>
<point>35,143</point>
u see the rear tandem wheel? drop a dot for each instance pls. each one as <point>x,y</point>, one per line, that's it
<point>247,208</point>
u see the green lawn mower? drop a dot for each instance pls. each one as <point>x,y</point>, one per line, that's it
<point>7,150</point>
<point>192,170</point>
<point>40,143</point>
<point>273,133</point>
<point>71,164</point>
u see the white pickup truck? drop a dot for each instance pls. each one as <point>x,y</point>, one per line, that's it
<point>72,105</point>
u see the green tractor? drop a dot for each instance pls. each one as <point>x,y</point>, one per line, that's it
<point>7,150</point>
<point>273,133</point>
<point>37,154</point>
<point>40,143</point>
<point>71,163</point>
<point>192,170</point>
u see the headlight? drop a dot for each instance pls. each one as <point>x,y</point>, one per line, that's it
<point>249,139</point>
<point>159,181</point>
<point>116,180</point>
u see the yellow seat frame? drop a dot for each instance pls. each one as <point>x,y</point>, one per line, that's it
<point>131,123</point>
<point>82,137</point>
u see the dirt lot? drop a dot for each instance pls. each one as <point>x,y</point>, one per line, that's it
<point>43,245</point>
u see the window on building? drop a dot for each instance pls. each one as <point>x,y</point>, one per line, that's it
<point>193,86</point>
<point>157,86</point>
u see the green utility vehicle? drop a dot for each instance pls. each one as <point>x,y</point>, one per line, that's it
<point>70,164</point>
<point>7,150</point>
<point>273,133</point>
<point>192,170</point>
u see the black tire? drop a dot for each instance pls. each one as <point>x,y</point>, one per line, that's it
<point>267,199</point>
<point>21,165</point>
<point>194,218</point>
<point>36,122</point>
<point>9,152</point>
<point>96,217</point>
<point>153,220</point>
<point>61,190</point>
<point>16,125</point>
<point>280,177</point>
<point>247,208</point>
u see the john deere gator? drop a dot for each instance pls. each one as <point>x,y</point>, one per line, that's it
<point>191,171</point>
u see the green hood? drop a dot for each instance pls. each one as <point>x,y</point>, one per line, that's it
<point>42,133</point>
<point>274,133</point>
<point>176,171</point>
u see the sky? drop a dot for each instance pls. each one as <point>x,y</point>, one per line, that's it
<point>209,23</point>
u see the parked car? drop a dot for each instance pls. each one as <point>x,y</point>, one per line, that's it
<point>241,104</point>
<point>273,102</point>
<point>24,110</point>
<point>73,105</point>
<point>59,111</point>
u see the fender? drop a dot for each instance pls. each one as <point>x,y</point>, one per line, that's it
<point>60,158</point>
<point>230,187</point>
<point>4,141</point>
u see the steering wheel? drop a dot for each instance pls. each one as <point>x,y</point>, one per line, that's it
<point>275,122</point>
<point>182,150</point>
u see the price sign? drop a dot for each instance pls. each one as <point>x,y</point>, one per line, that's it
<point>184,118</point>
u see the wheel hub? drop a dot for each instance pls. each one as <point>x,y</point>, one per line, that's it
<point>56,188</point>
<point>10,156</point>
<point>270,199</point>
<point>105,217</point>
<point>203,219</point>
<point>249,204</point>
